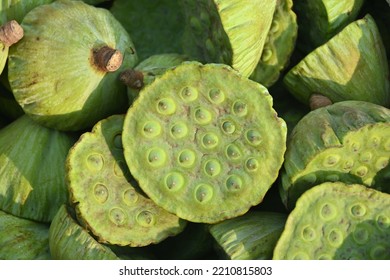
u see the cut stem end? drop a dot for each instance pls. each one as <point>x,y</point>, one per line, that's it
<point>107,59</point>
<point>10,33</point>
<point>318,100</point>
<point>132,78</point>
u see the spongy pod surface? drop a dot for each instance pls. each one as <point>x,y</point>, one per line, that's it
<point>203,142</point>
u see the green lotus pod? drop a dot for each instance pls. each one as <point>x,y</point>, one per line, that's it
<point>348,141</point>
<point>350,66</point>
<point>64,73</point>
<point>160,33</point>
<point>337,221</point>
<point>252,236</point>
<point>212,144</point>
<point>320,20</point>
<point>69,241</point>
<point>32,175</point>
<point>22,239</point>
<point>279,44</point>
<point>232,32</point>
<point>106,202</point>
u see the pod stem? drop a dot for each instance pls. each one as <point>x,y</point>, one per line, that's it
<point>132,78</point>
<point>318,100</point>
<point>107,59</point>
<point>10,33</point>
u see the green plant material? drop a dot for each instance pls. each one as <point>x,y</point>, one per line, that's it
<point>17,9</point>
<point>69,241</point>
<point>22,239</point>
<point>9,108</point>
<point>279,45</point>
<point>252,236</point>
<point>64,73</point>
<point>106,201</point>
<point>337,221</point>
<point>231,32</point>
<point>350,66</point>
<point>348,141</point>
<point>32,175</point>
<point>212,145</point>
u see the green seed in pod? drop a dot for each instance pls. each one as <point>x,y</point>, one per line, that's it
<point>231,32</point>
<point>252,236</point>
<point>64,73</point>
<point>337,221</point>
<point>32,175</point>
<point>347,141</point>
<point>22,239</point>
<point>106,201</point>
<point>350,66</point>
<point>203,142</point>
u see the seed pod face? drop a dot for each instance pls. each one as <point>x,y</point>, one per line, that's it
<point>70,241</point>
<point>337,221</point>
<point>350,66</point>
<point>55,75</point>
<point>347,141</point>
<point>22,239</point>
<point>106,202</point>
<point>32,175</point>
<point>204,142</point>
<point>252,236</point>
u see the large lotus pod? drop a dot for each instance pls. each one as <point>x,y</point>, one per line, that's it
<point>69,241</point>
<point>252,236</point>
<point>232,32</point>
<point>64,73</point>
<point>348,141</point>
<point>350,66</point>
<point>337,221</point>
<point>204,142</point>
<point>279,45</point>
<point>22,239</point>
<point>32,175</point>
<point>107,204</point>
<point>155,26</point>
<point>320,20</point>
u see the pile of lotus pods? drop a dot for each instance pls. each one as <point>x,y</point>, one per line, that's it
<point>210,129</point>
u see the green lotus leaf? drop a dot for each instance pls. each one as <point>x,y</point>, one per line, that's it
<point>63,71</point>
<point>32,175</point>
<point>348,141</point>
<point>350,66</point>
<point>337,221</point>
<point>212,145</point>
<point>22,239</point>
<point>107,203</point>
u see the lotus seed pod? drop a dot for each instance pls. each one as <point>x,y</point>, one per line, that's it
<point>22,239</point>
<point>231,32</point>
<point>107,204</point>
<point>320,20</point>
<point>350,66</point>
<point>69,241</point>
<point>337,221</point>
<point>279,44</point>
<point>252,236</point>
<point>32,175</point>
<point>160,33</point>
<point>63,72</point>
<point>203,142</point>
<point>347,141</point>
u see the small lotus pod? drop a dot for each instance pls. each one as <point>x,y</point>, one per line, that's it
<point>63,72</point>
<point>106,203</point>
<point>348,141</point>
<point>279,45</point>
<point>32,175</point>
<point>22,239</point>
<point>160,33</point>
<point>231,32</point>
<point>337,221</point>
<point>350,66</point>
<point>69,241</point>
<point>252,236</point>
<point>203,142</point>
<point>320,20</point>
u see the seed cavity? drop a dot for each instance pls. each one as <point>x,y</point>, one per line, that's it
<point>156,157</point>
<point>355,147</point>
<point>335,237</point>
<point>366,157</point>
<point>216,96</point>
<point>146,218</point>
<point>151,129</point>
<point>203,193</point>
<point>118,141</point>
<point>383,222</point>
<point>240,108</point>
<point>130,197</point>
<point>234,183</point>
<point>361,171</point>
<point>328,211</point>
<point>210,140</point>
<point>253,137</point>
<point>100,192</point>
<point>348,164</point>
<point>117,216</point>
<point>228,127</point>
<point>358,210</point>
<point>361,235</point>
<point>202,116</point>
<point>174,181</point>
<point>331,160</point>
<point>379,252</point>
<point>179,130</point>
<point>375,141</point>
<point>189,94</point>
<point>212,167</point>
<point>95,162</point>
<point>308,233</point>
<point>166,106</point>
<point>251,164</point>
<point>233,152</point>
<point>187,158</point>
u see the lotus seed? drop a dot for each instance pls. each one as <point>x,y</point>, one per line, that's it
<point>308,233</point>
<point>203,193</point>
<point>202,116</point>
<point>233,152</point>
<point>151,129</point>
<point>166,106</point>
<point>101,193</point>
<point>118,141</point>
<point>146,218</point>
<point>117,216</point>
<point>210,140</point>
<point>383,222</point>
<point>358,210</point>
<point>212,167</point>
<point>187,158</point>
<point>328,211</point>
<point>228,127</point>
<point>240,108</point>
<point>253,137</point>
<point>156,157</point>
<point>130,197</point>
<point>361,235</point>
<point>234,183</point>
<point>252,164</point>
<point>331,160</point>
<point>362,171</point>
<point>216,96</point>
<point>379,252</point>
<point>95,162</point>
<point>366,157</point>
<point>174,181</point>
<point>189,94</point>
<point>335,237</point>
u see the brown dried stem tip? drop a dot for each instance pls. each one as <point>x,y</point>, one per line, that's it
<point>318,101</point>
<point>107,59</point>
<point>10,33</point>
<point>132,78</point>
